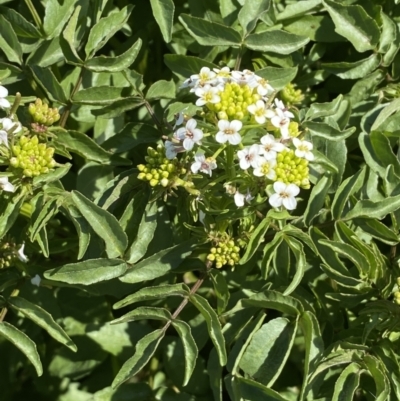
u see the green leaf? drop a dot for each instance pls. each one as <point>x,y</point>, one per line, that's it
<point>374,210</point>
<point>9,42</point>
<point>221,290</point>
<point>189,347</point>
<point>87,272</point>
<point>118,108</point>
<point>257,237</point>
<point>132,135</point>
<point>100,95</point>
<point>145,233</point>
<point>347,383</point>
<point>104,224</point>
<point>83,145</point>
<point>67,39</point>
<point>144,350</point>
<point>278,78</point>
<point>215,371</point>
<point>269,251</point>
<point>269,350</point>
<point>10,213</point>
<point>355,70</point>
<point>318,110</point>
<point>158,264</point>
<point>21,26</point>
<point>275,41</point>
<point>298,250</point>
<point>163,11</point>
<point>43,319</point>
<point>326,131</point>
<point>386,112</point>
<point>210,33</point>
<point>83,229</point>
<point>377,371</point>
<point>317,199</point>
<point>40,219</point>
<point>354,24</point>
<point>161,90</point>
<point>24,343</point>
<point>274,300</point>
<point>56,15</point>
<point>378,230</point>
<point>53,175</point>
<point>155,292</point>
<point>347,188</point>
<point>213,325</point>
<point>251,12</point>
<point>114,64</point>
<point>185,66</point>
<point>297,9</point>
<point>144,312</point>
<point>254,391</point>
<point>105,29</point>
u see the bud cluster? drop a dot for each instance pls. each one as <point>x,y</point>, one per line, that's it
<point>8,254</point>
<point>32,157</point>
<point>225,253</point>
<point>290,95</point>
<point>291,169</point>
<point>159,170</point>
<point>43,114</point>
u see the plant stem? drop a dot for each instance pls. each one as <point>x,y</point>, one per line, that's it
<point>35,14</point>
<point>153,115</point>
<point>67,111</point>
<point>238,58</point>
<point>4,311</point>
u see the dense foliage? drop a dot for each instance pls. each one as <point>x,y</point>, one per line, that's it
<point>199,200</point>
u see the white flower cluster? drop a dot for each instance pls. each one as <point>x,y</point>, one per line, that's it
<point>263,158</point>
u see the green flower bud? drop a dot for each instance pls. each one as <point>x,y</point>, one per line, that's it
<point>42,114</point>
<point>291,169</point>
<point>290,95</point>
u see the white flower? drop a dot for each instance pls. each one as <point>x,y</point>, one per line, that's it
<point>36,280</point>
<point>189,135</point>
<point>270,146</point>
<point>4,138</point>
<point>4,103</point>
<point>285,195</point>
<point>229,131</point>
<point>21,256</point>
<point>303,149</point>
<point>179,118</point>
<point>241,198</point>
<point>265,168</point>
<point>205,76</point>
<point>202,164</point>
<point>259,111</point>
<point>188,83</point>
<point>249,157</point>
<point>172,149</point>
<point>207,94</point>
<point>223,74</point>
<point>263,87</point>
<point>282,122</point>
<point>245,77</point>
<point>10,125</point>
<point>5,185</point>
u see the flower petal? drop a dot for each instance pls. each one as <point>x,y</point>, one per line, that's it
<point>275,200</point>
<point>236,125</point>
<point>292,190</point>
<point>279,187</point>
<point>289,203</point>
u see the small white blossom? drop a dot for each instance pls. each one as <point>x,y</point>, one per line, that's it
<point>207,94</point>
<point>270,147</point>
<point>4,103</point>
<point>223,74</point>
<point>229,132</point>
<point>204,77</point>
<point>179,119</point>
<point>36,280</point>
<point>21,256</point>
<point>172,149</point>
<point>265,168</point>
<point>4,138</point>
<point>303,149</point>
<point>249,157</point>
<point>188,83</point>
<point>202,164</point>
<point>259,112</point>
<point>5,185</point>
<point>285,195</point>
<point>245,77</point>
<point>263,87</point>
<point>282,122</point>
<point>190,135</point>
<point>240,199</point>
<point>280,106</point>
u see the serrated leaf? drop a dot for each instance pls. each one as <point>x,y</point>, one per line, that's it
<point>158,264</point>
<point>210,33</point>
<point>23,343</point>
<point>104,224</point>
<point>257,237</point>
<point>276,41</point>
<point>144,312</point>
<point>145,234</point>
<point>144,350</point>
<point>189,347</point>
<point>213,325</point>
<point>105,29</point>
<point>114,64</point>
<point>161,90</point>
<point>251,12</point>
<point>354,24</point>
<point>87,272</point>
<point>43,319</point>
<point>155,292</point>
<point>9,42</point>
<point>163,11</point>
